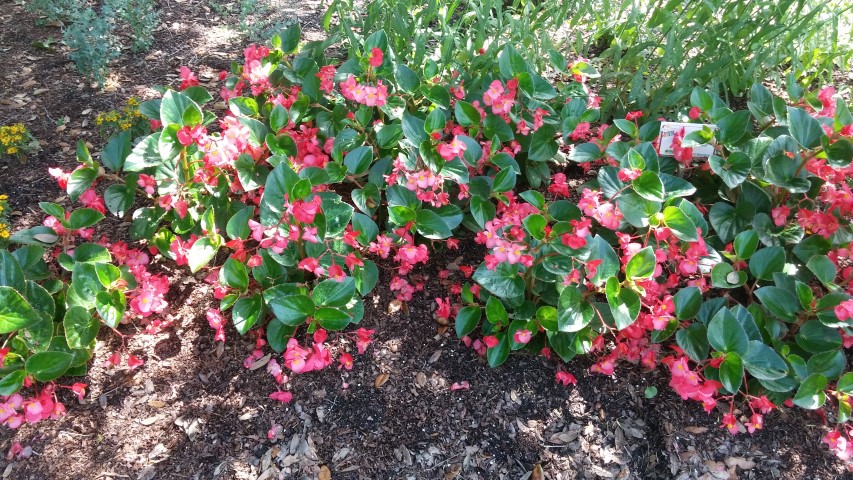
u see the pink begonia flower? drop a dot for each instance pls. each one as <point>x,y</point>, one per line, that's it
<point>376,57</point>
<point>281,396</point>
<point>566,378</point>
<point>345,361</point>
<point>521,336</point>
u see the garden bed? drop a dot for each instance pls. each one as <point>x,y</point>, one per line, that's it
<point>194,411</point>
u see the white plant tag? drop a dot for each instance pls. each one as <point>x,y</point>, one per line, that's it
<point>668,131</point>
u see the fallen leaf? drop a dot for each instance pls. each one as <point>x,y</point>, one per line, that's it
<point>261,362</point>
<point>156,403</point>
<point>696,430</point>
<point>28,83</point>
<point>325,473</point>
<point>380,380</point>
<point>537,473</point>
<point>420,379</point>
<point>741,462</point>
<point>563,438</point>
<point>395,306</point>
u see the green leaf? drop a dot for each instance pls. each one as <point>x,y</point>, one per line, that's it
<point>116,151</point>
<point>252,176</point>
<point>234,274</point>
<point>201,253</point>
<point>246,312</point>
<point>12,382</point>
<point>805,129</point>
<point>732,170</point>
<point>238,224</point>
<point>810,246</point>
<point>278,118</point>
<point>332,318</point>
<point>495,126</point>
<point>624,303</point>
<point>573,312</point>
<point>504,281</point>
<point>649,186</point>
<point>822,268</point>
<point>815,337</point>
<point>278,334</point>
<point>466,114</point>
<point>627,127</point>
<point>110,307</point>
<point>431,225</point>
<point>84,218</point>
<point>358,160</point>
<point>731,372</point>
<point>780,302</point>
<point>680,224</point>
<point>290,38</point>
<point>15,312</point>
<point>331,293</point>
<point>733,127</point>
<point>496,312</point>
<point>687,302</point>
<point>119,198</point>
<point>845,384</point>
<point>467,320</point>
<point>811,394</point>
<point>280,181</point>
<point>830,364</point>
<point>763,363</point>
<point>173,106</point>
<point>543,145</point>
<point>47,366</point>
<point>584,152</point>
<point>694,341</point>
<point>482,210</point>
<point>80,327</point>
<point>726,334</point>
<point>642,264</point>
<point>406,78</point>
<point>745,244</point>
<point>435,121</point>
<point>535,225</point>
<point>728,220</point>
<point>366,277</point>
<point>500,352</point>
<point>767,261</point>
<point>80,181</point>
<point>610,263</point>
<point>11,274</point>
<point>504,181</point>
<point>291,310</point>
<point>724,275</point>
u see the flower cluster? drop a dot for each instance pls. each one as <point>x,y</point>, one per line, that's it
<point>128,118</point>
<point>16,140</point>
<point>15,410</point>
<point>4,225</point>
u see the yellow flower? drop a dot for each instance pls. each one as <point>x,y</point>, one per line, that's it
<point>12,150</point>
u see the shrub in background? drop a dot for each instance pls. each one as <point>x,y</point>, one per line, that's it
<point>54,10</point>
<point>92,43</point>
<point>141,18</point>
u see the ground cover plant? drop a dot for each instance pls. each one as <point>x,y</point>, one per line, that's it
<point>731,271</point>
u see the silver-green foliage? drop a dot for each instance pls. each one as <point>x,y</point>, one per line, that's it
<point>140,16</point>
<point>92,43</point>
<point>54,10</point>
